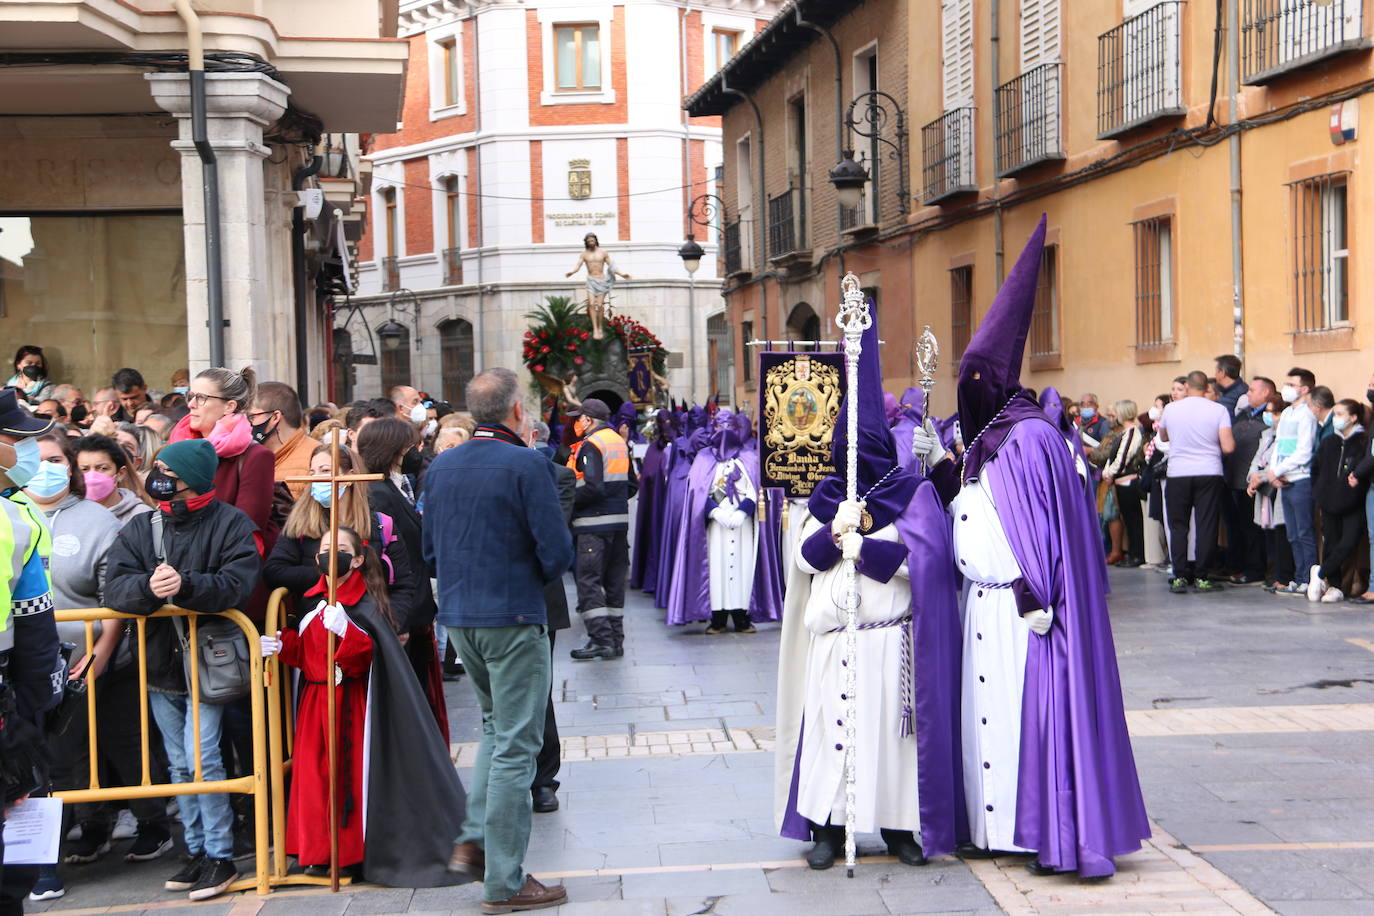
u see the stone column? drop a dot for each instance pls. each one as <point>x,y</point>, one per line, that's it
<point>259,330</point>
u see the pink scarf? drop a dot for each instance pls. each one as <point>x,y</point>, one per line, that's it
<point>230,437</point>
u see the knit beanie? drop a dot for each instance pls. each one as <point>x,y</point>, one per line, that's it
<point>194,461</point>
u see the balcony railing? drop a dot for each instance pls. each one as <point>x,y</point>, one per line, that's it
<point>1028,120</point>
<point>1282,35</point>
<point>391,275</point>
<point>453,267</point>
<point>1138,72</point>
<point>786,227</point>
<point>730,248</point>
<point>947,163</point>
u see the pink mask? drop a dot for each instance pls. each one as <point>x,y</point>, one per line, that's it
<point>98,485</point>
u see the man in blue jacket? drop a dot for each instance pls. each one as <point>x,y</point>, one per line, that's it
<point>495,533</point>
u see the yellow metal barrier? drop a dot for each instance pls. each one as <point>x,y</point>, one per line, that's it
<point>254,785</point>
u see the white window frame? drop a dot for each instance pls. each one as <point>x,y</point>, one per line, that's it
<point>746,208</point>
<point>438,82</point>
<point>725,22</point>
<point>388,177</point>
<point>957,41</point>
<point>871,191</point>
<point>450,164</point>
<point>549,18</point>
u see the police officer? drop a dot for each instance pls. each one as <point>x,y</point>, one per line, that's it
<point>32,675</point>
<point>601,524</point>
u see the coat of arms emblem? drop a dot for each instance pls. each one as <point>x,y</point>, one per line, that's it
<point>580,179</point>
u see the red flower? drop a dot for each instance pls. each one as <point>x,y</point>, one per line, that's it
<point>537,367</point>
<point>577,360</point>
<point>543,349</point>
<point>572,347</point>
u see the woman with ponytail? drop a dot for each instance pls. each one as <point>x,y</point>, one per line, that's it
<point>382,719</point>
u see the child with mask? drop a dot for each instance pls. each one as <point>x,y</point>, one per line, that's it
<point>1340,495</point>
<point>382,719</point>
<point>207,561</point>
<point>110,478</point>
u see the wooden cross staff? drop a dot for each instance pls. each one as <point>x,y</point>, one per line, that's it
<point>331,577</point>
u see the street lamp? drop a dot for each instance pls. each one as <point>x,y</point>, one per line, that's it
<point>691,254</point>
<point>848,176</point>
<point>392,334</point>
<point>704,210</point>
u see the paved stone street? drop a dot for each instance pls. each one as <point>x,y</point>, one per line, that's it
<point>1253,723</point>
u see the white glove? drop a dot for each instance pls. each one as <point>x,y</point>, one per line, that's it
<point>721,516</point>
<point>270,645</point>
<point>926,445</point>
<point>850,545</point>
<point>848,515</point>
<point>1039,621</point>
<point>335,620</point>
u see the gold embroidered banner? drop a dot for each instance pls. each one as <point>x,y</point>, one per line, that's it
<point>799,404</point>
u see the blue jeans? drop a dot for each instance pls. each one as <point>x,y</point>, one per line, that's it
<point>208,820</point>
<point>1298,514</point>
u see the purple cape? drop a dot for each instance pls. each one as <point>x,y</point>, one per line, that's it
<point>653,495</point>
<point>1078,797</point>
<point>924,527</point>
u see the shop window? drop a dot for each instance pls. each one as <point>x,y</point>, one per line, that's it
<point>961,308</point>
<point>577,53</point>
<point>1321,256</point>
<point>1154,282</point>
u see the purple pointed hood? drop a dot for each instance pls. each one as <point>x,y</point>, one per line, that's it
<point>990,371</point>
<point>1053,405</point>
<point>891,407</point>
<point>912,405</point>
<point>885,485</point>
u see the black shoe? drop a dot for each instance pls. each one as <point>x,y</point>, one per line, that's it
<point>1040,871</point>
<point>545,799</point>
<point>719,623</point>
<point>829,845</point>
<point>186,878</point>
<point>1131,563</point>
<point>969,851</point>
<point>592,650</point>
<point>215,877</point>
<point>903,845</point>
<point>153,842</point>
<point>617,652</point>
<point>742,622</point>
<point>94,843</point>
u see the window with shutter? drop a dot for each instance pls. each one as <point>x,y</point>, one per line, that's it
<point>956,24</point>
<point>1039,33</point>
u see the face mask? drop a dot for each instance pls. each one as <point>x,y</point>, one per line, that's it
<point>1156,413</point>
<point>79,413</point>
<point>52,478</point>
<point>1340,424</point>
<point>26,461</point>
<point>1087,413</point>
<point>410,462</point>
<point>262,431</point>
<point>182,390</point>
<point>321,493</point>
<point>1268,418</point>
<point>98,486</point>
<point>418,413</point>
<point>33,373</point>
<point>345,564</point>
<point>431,427</point>
<point>1289,394</point>
<point>161,486</point>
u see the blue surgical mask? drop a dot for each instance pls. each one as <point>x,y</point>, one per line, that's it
<point>1087,413</point>
<point>182,390</point>
<point>322,494</point>
<point>1340,424</point>
<point>27,460</point>
<point>52,478</point>
<point>1268,418</point>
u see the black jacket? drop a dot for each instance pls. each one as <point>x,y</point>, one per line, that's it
<point>1335,461</point>
<point>292,566</point>
<point>555,598</point>
<point>213,549</point>
<point>1247,428</point>
<point>384,497</point>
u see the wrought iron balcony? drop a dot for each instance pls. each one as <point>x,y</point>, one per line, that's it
<point>391,275</point>
<point>786,224</point>
<point>1028,120</point>
<point>453,267</point>
<point>730,248</point>
<point>1139,78</point>
<point>947,163</point>
<point>1278,36</point>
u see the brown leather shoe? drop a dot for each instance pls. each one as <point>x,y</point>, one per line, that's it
<point>468,859</point>
<point>533,896</point>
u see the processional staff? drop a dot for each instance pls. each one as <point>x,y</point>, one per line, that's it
<point>927,360</point>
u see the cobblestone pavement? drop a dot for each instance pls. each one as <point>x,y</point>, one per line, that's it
<point>1252,718</point>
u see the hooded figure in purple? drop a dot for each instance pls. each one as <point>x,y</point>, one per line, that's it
<point>1048,766</point>
<point>653,495</point>
<point>717,551</point>
<point>907,753</point>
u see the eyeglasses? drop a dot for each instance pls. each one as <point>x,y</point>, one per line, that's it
<point>196,398</point>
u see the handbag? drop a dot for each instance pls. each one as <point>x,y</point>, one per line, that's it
<point>221,647</point>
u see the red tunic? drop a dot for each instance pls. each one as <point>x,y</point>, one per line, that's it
<point>307,822</point>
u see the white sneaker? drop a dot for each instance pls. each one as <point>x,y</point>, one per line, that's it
<point>1315,585</point>
<point>1333,596</point>
<point>125,827</point>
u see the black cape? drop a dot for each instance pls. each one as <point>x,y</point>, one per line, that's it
<point>415,802</point>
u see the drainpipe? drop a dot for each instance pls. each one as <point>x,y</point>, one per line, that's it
<point>687,160</point>
<point>479,357</point>
<point>995,41</point>
<point>1237,262</point>
<point>761,204</point>
<point>839,95</point>
<point>209,179</point>
<point>301,279</point>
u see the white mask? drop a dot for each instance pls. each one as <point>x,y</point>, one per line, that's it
<point>1156,413</point>
<point>430,428</point>
<point>418,413</point>
<point>1289,394</point>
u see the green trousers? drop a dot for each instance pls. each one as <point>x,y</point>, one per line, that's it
<point>510,671</point>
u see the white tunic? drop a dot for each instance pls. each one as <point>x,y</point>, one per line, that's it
<point>732,552</point>
<point>885,762</point>
<point>995,642</point>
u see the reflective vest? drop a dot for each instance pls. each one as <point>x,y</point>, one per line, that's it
<point>20,536</point>
<point>611,511</point>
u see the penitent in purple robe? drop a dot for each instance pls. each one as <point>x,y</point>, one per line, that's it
<point>679,467</point>
<point>653,496</point>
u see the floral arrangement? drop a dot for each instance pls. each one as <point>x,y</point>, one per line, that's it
<point>559,341</point>
<point>636,336</point>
